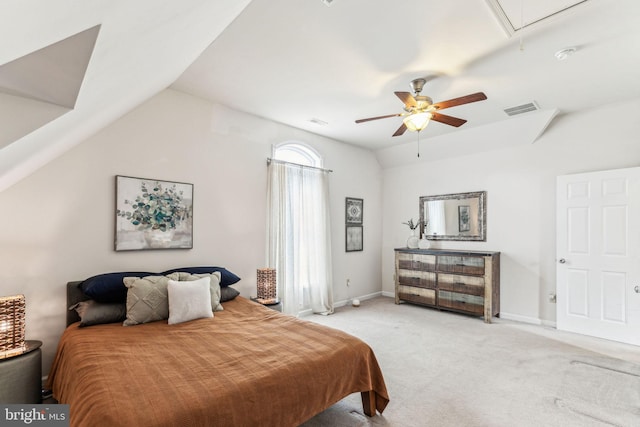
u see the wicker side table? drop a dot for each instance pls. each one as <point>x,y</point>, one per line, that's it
<point>22,376</point>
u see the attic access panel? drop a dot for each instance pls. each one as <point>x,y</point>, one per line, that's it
<point>515,15</point>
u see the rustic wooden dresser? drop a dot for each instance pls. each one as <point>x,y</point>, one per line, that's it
<point>457,280</point>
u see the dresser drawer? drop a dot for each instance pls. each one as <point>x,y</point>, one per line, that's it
<point>423,279</point>
<point>463,302</point>
<point>470,285</point>
<point>461,264</point>
<point>417,262</point>
<point>419,295</point>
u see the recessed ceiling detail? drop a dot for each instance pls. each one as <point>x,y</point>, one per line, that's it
<point>52,74</point>
<point>41,86</point>
<point>514,15</point>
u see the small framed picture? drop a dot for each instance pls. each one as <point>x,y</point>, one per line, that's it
<point>353,238</point>
<point>464,223</point>
<point>353,210</point>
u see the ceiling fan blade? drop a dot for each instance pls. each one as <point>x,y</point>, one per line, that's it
<point>447,120</point>
<point>474,97</point>
<point>406,98</point>
<point>378,118</point>
<point>400,130</point>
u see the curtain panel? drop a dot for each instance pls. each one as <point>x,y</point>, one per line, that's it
<point>299,236</point>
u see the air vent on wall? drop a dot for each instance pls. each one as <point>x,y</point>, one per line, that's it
<point>521,109</point>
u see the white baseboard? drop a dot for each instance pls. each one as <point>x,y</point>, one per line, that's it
<point>527,319</point>
<point>520,318</point>
<point>342,303</point>
<point>361,298</point>
<point>549,324</point>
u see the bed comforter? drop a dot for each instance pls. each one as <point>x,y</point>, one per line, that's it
<point>247,366</point>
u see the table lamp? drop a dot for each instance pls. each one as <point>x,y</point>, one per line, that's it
<point>267,290</point>
<point>12,325</point>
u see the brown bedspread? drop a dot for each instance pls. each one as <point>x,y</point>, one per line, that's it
<point>247,366</point>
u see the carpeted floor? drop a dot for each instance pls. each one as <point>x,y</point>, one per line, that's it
<point>446,369</point>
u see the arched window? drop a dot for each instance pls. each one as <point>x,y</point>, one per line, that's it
<point>297,152</point>
<point>298,228</point>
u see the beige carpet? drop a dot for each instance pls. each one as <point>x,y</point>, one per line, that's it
<point>445,369</point>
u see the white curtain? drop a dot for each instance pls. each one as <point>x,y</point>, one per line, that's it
<point>298,236</point>
<point>437,218</point>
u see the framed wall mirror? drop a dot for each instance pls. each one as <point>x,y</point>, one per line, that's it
<point>461,216</point>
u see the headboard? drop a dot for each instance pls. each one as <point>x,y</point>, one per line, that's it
<point>74,295</point>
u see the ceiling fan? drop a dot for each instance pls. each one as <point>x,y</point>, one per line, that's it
<point>420,109</point>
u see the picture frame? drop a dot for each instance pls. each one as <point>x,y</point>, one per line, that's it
<point>353,238</point>
<point>153,214</point>
<point>464,216</point>
<point>354,210</point>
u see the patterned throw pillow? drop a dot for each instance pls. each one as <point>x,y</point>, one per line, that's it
<point>147,299</point>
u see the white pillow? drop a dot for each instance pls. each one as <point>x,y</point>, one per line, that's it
<point>189,300</point>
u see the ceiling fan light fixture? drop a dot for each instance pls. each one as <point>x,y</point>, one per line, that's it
<point>417,122</point>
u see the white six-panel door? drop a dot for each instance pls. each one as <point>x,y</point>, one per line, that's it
<point>598,254</point>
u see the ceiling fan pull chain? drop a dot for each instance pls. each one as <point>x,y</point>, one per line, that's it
<point>418,144</point>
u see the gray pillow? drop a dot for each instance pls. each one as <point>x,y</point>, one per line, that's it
<point>189,300</point>
<point>227,293</point>
<point>95,313</point>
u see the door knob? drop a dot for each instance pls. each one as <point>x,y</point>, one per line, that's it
<point>637,289</point>
<point>562,261</point>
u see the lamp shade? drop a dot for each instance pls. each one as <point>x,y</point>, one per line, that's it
<point>417,122</point>
<point>267,289</point>
<point>12,323</point>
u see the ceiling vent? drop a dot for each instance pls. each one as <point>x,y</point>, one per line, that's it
<point>318,122</point>
<point>521,109</point>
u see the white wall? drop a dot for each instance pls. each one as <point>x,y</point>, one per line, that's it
<point>58,223</point>
<point>521,186</point>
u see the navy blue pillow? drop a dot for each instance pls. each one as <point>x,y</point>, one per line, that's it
<point>109,287</point>
<point>227,278</point>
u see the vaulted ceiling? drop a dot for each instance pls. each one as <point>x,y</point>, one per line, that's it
<point>73,67</point>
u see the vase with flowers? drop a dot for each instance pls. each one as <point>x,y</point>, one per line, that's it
<point>412,241</point>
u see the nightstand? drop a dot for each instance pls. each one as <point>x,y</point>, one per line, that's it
<point>22,376</point>
<point>277,306</point>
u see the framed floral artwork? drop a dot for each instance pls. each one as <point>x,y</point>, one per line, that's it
<point>153,214</point>
<point>353,210</point>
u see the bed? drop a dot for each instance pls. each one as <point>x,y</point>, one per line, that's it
<point>247,366</point>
